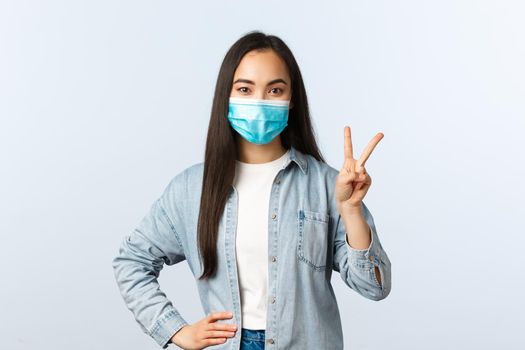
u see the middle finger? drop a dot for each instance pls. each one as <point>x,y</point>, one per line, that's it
<point>369,148</point>
<point>219,334</point>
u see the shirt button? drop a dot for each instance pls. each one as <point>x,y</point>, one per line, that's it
<point>270,341</point>
<point>274,258</point>
<point>274,216</point>
<point>277,181</point>
<point>273,301</point>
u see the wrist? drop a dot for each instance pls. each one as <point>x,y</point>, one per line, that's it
<point>348,211</point>
<point>175,338</point>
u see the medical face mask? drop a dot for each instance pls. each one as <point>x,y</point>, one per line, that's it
<point>258,121</point>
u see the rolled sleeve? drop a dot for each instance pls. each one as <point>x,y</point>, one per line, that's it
<point>368,257</point>
<point>357,266</point>
<point>143,253</point>
<point>166,327</point>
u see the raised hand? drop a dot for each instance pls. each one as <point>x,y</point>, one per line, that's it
<point>353,180</point>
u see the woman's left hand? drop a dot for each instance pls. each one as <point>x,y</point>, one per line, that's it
<point>353,180</point>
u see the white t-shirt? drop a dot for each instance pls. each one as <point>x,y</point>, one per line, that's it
<point>254,183</point>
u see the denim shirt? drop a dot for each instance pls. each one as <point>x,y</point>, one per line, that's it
<point>306,242</point>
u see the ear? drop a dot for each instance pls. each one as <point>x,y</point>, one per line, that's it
<point>291,105</point>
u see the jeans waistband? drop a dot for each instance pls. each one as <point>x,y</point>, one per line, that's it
<point>253,334</point>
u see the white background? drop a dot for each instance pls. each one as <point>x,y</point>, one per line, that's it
<point>103,102</point>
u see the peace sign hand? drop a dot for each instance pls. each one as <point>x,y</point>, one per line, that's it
<point>353,181</point>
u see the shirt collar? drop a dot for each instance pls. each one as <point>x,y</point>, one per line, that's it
<point>299,158</point>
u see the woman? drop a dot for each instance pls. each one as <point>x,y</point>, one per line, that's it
<point>262,222</point>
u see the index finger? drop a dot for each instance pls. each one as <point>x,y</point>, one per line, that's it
<point>219,315</point>
<point>369,148</point>
<point>349,153</point>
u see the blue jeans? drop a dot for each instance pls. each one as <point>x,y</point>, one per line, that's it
<point>252,339</point>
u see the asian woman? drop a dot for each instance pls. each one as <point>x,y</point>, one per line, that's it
<point>262,222</point>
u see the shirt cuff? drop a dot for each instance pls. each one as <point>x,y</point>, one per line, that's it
<point>166,327</point>
<point>365,258</point>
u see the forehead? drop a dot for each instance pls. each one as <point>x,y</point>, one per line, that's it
<point>261,66</point>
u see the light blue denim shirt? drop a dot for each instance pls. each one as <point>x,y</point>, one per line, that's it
<point>306,242</point>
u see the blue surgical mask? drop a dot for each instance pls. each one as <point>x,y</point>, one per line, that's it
<point>258,121</point>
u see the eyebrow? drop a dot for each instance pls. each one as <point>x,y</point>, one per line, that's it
<point>251,82</point>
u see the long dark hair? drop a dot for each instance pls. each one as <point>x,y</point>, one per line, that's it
<point>221,146</point>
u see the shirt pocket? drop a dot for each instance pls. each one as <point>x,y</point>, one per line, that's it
<point>312,242</point>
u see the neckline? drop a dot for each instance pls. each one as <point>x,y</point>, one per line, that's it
<point>258,166</point>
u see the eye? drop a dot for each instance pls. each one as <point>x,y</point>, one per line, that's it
<point>241,89</point>
<point>279,90</point>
